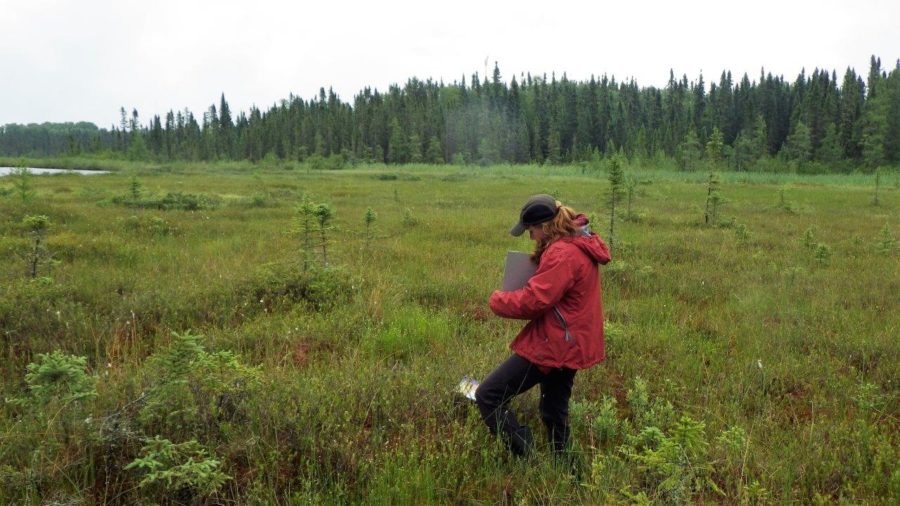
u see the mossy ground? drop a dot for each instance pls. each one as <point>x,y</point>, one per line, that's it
<point>740,326</point>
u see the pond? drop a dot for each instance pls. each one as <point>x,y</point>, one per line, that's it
<point>5,171</point>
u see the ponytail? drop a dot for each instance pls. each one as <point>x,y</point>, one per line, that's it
<point>562,225</point>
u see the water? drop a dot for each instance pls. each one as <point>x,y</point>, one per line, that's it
<point>5,171</point>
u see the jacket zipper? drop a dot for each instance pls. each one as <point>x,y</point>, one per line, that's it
<point>562,321</point>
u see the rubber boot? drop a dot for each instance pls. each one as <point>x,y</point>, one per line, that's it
<point>520,442</point>
<point>559,438</point>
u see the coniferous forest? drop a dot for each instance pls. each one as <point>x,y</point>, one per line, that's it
<point>817,123</point>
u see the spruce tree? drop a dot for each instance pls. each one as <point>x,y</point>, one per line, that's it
<point>307,212</point>
<point>323,214</point>
<point>689,151</point>
<point>714,154</point>
<point>434,153</point>
<point>614,194</point>
<point>398,150</point>
<point>798,147</point>
<point>369,219</point>
<point>137,149</point>
<point>715,147</point>
<point>415,148</point>
<point>830,148</point>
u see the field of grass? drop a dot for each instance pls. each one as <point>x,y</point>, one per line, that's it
<point>754,361</point>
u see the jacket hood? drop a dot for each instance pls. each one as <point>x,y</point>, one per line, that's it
<point>589,242</point>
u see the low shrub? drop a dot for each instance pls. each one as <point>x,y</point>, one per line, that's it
<point>286,284</point>
<point>170,201</point>
<point>185,470</point>
<point>148,225</point>
<point>190,392</point>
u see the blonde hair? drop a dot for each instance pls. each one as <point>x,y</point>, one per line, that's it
<point>562,225</point>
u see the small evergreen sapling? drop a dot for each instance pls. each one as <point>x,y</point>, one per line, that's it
<point>809,238</point>
<point>823,253</point>
<point>742,233</point>
<point>614,194</point>
<point>135,189</point>
<point>409,219</point>
<point>59,386</point>
<point>875,201</point>
<point>369,219</point>
<point>175,468</point>
<point>22,183</point>
<point>57,377</point>
<point>307,212</point>
<point>323,214</point>
<point>36,225</point>
<point>714,153</point>
<point>886,243</point>
<point>713,198</point>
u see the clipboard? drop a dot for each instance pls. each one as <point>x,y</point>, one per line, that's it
<point>519,269</point>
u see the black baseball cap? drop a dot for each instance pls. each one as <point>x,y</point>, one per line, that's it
<point>539,209</point>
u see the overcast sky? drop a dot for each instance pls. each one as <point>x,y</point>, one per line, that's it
<point>80,60</point>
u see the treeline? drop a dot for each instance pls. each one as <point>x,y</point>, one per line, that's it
<point>816,123</point>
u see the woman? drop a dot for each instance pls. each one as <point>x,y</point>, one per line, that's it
<point>565,331</point>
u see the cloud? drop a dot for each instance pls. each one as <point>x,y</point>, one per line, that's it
<point>68,61</point>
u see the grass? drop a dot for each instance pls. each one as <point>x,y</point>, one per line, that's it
<point>339,389</point>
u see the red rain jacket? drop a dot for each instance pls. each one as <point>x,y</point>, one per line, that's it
<point>562,300</point>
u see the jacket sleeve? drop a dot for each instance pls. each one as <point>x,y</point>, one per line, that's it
<point>543,291</point>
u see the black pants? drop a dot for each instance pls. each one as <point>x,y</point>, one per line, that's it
<point>517,375</point>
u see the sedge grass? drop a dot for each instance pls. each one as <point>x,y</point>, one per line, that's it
<point>356,402</point>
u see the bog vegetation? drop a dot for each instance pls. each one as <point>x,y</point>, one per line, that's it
<point>260,335</point>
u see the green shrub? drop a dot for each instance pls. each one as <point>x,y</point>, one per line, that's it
<point>647,412</point>
<point>53,426</point>
<point>676,464</point>
<point>171,201</point>
<point>886,243</point>
<point>822,253</point>
<point>742,233</point>
<point>28,314</point>
<point>191,392</point>
<point>809,238</point>
<point>409,219</point>
<point>606,425</point>
<point>58,378</point>
<point>148,225</point>
<point>178,470</point>
<point>284,284</point>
